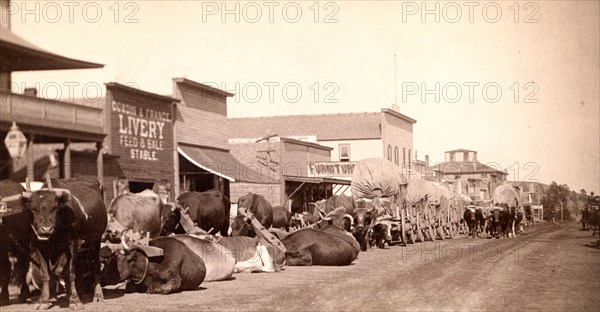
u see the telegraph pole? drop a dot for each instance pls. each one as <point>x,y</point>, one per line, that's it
<point>267,161</point>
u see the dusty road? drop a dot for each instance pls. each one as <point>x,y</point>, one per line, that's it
<point>551,269</point>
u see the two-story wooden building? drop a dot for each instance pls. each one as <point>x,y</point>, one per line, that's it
<point>350,136</point>
<point>43,121</point>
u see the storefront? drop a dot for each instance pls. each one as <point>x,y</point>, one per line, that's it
<point>293,168</point>
<point>140,139</point>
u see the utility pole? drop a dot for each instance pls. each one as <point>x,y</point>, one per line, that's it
<point>266,161</point>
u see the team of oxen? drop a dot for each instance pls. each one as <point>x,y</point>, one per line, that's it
<point>70,236</point>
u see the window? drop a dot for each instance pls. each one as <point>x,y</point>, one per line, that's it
<point>403,156</point>
<point>396,156</point>
<point>344,152</point>
<point>389,152</point>
<point>409,156</point>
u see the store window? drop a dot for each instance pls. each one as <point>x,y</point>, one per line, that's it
<point>389,152</point>
<point>344,150</point>
<point>396,156</point>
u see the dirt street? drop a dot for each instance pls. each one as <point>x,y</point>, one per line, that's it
<point>550,269</point>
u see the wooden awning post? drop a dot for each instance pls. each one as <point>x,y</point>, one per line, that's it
<point>100,162</point>
<point>67,160</point>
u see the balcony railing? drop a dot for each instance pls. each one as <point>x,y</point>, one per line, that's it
<point>55,114</point>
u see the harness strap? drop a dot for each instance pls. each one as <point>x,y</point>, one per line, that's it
<point>145,272</point>
<point>189,226</point>
<point>260,230</point>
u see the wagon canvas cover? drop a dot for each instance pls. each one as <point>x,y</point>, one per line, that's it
<point>506,194</point>
<point>376,177</point>
<point>419,188</point>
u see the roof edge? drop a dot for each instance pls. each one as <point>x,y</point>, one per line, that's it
<point>201,86</point>
<point>398,115</point>
<point>125,88</point>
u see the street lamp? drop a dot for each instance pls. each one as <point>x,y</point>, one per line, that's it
<point>16,144</point>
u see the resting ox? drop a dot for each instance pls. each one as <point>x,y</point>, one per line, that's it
<point>177,269</point>
<point>15,236</point>
<point>218,260</point>
<point>314,247</point>
<point>67,220</point>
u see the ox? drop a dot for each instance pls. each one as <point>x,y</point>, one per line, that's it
<point>281,218</point>
<point>258,206</point>
<point>176,268</point>
<point>345,235</point>
<point>337,201</point>
<point>363,218</point>
<point>208,210</point>
<point>142,212</point>
<point>218,260</point>
<point>67,222</point>
<point>15,236</point>
<point>473,217</point>
<point>314,247</point>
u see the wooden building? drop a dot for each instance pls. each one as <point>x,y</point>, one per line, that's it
<point>350,136</point>
<point>289,168</point>
<point>43,121</point>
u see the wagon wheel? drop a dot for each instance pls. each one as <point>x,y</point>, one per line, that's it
<point>418,225</point>
<point>440,227</point>
<point>403,227</point>
<point>430,230</point>
<point>451,230</point>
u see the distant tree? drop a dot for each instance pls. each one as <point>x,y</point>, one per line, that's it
<point>555,196</point>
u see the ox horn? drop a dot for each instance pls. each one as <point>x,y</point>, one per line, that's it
<point>349,217</point>
<point>123,243</point>
<point>48,182</point>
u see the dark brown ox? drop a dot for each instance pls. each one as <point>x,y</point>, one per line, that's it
<point>258,206</point>
<point>68,222</point>
<point>178,269</point>
<point>314,247</point>
<point>281,218</point>
<point>208,210</point>
<point>15,236</point>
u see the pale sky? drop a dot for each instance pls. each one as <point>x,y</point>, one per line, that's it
<point>347,65</point>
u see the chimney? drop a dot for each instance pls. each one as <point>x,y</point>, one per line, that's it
<point>395,108</point>
<point>427,160</point>
<point>30,92</point>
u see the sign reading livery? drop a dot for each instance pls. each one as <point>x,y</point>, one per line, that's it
<point>141,130</point>
<point>329,169</point>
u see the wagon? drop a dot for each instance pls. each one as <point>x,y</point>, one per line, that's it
<point>380,183</point>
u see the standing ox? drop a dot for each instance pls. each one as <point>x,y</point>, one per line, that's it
<point>257,205</point>
<point>507,198</point>
<point>15,236</point>
<point>176,268</point>
<point>281,218</point>
<point>208,210</point>
<point>67,221</point>
<point>140,212</point>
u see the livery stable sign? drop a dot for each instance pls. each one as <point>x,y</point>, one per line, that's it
<point>328,169</point>
<point>141,131</point>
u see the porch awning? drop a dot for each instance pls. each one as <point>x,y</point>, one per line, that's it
<point>223,164</point>
<point>20,55</point>
<point>316,180</point>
